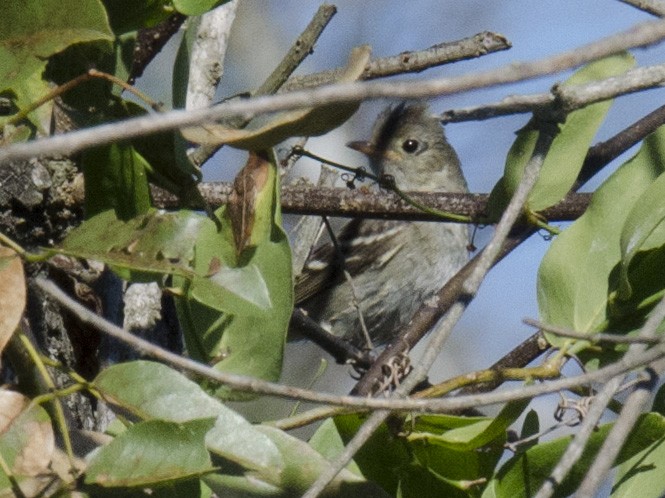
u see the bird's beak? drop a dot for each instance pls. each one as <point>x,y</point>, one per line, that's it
<point>364,147</point>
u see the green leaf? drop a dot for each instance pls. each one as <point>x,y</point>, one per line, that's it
<point>241,291</point>
<point>154,391</point>
<point>278,463</point>
<point>33,30</point>
<point>530,428</point>
<point>196,7</point>
<point>303,465</point>
<point>328,442</point>
<point>568,150</point>
<point>642,475</point>
<point>575,276</point>
<point>266,131</point>
<point>419,467</point>
<point>474,433</point>
<point>152,452</point>
<point>154,243</point>
<point>131,15</point>
<point>644,228</point>
<point>244,337</point>
<point>523,474</point>
<point>115,178</point>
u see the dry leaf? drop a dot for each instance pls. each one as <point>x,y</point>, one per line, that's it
<point>12,293</point>
<point>241,207</point>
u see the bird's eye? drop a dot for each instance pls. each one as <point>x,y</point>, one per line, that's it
<point>410,145</point>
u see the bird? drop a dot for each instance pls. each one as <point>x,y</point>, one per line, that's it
<point>381,271</point>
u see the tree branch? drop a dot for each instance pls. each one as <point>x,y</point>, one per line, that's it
<point>641,35</point>
<point>411,62</point>
<point>570,96</point>
<point>319,201</point>
<point>250,384</point>
<point>207,56</point>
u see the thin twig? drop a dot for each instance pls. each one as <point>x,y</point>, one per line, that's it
<point>598,337</point>
<point>641,35</point>
<point>411,62</point>
<point>571,96</point>
<point>302,47</point>
<point>615,440</point>
<point>249,384</point>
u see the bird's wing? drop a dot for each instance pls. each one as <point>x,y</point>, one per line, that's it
<point>359,245</point>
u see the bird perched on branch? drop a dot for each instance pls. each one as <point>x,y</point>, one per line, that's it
<point>381,271</point>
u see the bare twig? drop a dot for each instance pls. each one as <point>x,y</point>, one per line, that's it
<point>654,7</point>
<point>599,337</point>
<point>411,62</point>
<point>383,205</point>
<point>641,35</point>
<point>249,384</point>
<point>631,410</point>
<point>303,46</point>
<point>571,96</point>
<point>584,432</point>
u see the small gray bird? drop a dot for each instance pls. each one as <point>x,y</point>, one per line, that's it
<point>394,266</point>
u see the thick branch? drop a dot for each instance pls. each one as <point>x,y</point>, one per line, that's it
<point>367,204</point>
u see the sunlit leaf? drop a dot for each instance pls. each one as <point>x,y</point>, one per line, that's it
<point>27,441</point>
<point>265,131</point>
<point>477,432</point>
<point>567,153</point>
<point>157,242</point>
<point>642,475</point>
<point>575,276</point>
<point>644,229</point>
